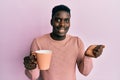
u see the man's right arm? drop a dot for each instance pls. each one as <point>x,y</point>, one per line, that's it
<point>32,74</point>
<point>31,68</point>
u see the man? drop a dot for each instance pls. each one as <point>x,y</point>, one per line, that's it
<point>67,51</point>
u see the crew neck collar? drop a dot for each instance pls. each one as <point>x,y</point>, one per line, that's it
<point>64,40</point>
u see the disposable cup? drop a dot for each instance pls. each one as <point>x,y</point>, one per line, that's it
<point>43,59</point>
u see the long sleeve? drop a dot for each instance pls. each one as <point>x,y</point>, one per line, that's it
<point>85,66</point>
<point>33,74</point>
<point>84,63</point>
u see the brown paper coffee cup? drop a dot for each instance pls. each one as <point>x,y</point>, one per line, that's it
<point>43,59</point>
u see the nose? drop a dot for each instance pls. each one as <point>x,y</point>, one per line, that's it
<point>62,23</point>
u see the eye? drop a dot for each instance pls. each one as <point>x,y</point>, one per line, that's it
<point>57,19</point>
<point>67,20</point>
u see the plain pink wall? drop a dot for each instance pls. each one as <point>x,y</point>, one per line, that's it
<point>95,21</point>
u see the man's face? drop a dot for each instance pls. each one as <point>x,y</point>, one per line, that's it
<point>61,23</point>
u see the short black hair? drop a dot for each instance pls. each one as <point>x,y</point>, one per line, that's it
<point>60,8</point>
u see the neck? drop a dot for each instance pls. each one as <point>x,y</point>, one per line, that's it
<point>56,37</point>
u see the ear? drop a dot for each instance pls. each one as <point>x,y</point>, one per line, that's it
<point>51,22</point>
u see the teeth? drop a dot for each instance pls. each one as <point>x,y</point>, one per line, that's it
<point>61,30</point>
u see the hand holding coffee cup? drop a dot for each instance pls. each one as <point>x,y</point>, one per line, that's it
<point>30,62</point>
<point>94,50</point>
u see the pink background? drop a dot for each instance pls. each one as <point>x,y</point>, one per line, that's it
<point>95,21</point>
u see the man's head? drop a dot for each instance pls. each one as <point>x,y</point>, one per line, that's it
<point>60,8</point>
<point>60,20</point>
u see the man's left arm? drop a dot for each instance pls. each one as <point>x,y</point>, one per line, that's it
<point>86,65</point>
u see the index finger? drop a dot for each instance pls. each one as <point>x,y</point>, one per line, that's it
<point>102,46</point>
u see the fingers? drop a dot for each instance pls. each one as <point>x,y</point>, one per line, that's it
<point>30,62</point>
<point>30,66</point>
<point>33,58</point>
<point>94,50</point>
<point>97,51</point>
<point>102,46</point>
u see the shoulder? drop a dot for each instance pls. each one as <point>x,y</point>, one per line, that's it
<point>42,38</point>
<point>76,38</point>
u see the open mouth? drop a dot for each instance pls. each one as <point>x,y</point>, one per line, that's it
<point>61,30</point>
